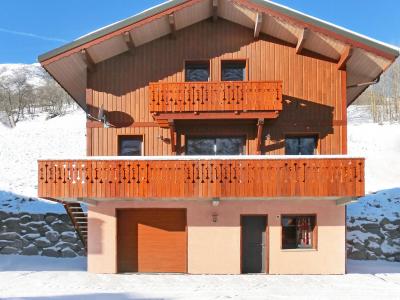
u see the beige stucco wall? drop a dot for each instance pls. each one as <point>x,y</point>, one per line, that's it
<point>214,248</point>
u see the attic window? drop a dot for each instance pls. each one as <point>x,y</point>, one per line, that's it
<point>233,70</point>
<point>197,71</point>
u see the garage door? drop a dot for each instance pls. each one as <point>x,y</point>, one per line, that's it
<point>152,240</point>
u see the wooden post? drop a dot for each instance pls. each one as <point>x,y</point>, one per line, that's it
<point>301,41</point>
<point>257,25</point>
<point>344,58</point>
<point>260,127</point>
<point>129,42</point>
<point>172,25</point>
<point>215,10</point>
<point>172,133</point>
<point>87,59</point>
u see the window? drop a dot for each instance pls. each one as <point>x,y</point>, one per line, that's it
<point>233,70</point>
<point>130,145</point>
<point>303,145</point>
<point>197,71</point>
<point>298,232</point>
<point>215,146</point>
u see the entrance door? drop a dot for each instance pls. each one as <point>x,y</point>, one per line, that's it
<point>253,244</point>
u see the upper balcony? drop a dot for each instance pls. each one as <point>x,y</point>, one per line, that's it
<point>186,177</point>
<point>215,100</point>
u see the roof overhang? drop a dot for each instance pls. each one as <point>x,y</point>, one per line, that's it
<point>366,61</point>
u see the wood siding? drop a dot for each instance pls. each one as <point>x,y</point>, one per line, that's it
<point>313,97</point>
<point>194,179</point>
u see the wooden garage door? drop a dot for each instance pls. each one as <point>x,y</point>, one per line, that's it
<point>152,240</point>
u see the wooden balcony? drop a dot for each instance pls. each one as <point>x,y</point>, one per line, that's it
<point>256,177</point>
<point>220,100</point>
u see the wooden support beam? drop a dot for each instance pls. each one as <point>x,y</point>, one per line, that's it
<point>348,51</point>
<point>257,25</point>
<point>260,127</point>
<point>172,133</point>
<point>90,64</point>
<point>302,39</point>
<point>215,10</point>
<point>129,42</point>
<point>172,25</point>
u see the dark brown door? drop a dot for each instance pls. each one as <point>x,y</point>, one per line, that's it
<point>253,244</point>
<point>152,240</point>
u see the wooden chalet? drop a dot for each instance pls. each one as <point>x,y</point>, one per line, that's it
<point>216,139</point>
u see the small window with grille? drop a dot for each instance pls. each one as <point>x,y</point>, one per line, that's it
<point>298,232</point>
<point>129,145</point>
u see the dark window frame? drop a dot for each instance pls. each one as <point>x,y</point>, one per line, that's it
<point>132,137</point>
<point>197,62</point>
<point>314,231</point>
<point>233,61</point>
<point>304,135</point>
<point>215,137</point>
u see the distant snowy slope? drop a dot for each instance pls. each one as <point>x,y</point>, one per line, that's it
<point>34,72</point>
<point>379,144</point>
<point>30,140</point>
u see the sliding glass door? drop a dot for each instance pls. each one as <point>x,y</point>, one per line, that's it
<point>215,146</point>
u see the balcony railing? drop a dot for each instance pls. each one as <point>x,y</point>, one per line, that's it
<point>205,177</point>
<point>227,96</point>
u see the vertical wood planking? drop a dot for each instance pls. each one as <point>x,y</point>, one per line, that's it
<point>121,84</point>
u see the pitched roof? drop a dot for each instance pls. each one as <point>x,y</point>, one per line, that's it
<point>390,49</point>
<point>369,59</point>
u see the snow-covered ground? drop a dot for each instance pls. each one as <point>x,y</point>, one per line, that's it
<point>23,277</point>
<point>379,144</point>
<point>22,146</point>
<point>64,137</point>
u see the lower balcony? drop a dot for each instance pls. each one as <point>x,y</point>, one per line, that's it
<point>186,177</point>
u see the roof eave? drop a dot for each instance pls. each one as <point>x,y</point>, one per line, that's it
<point>389,49</point>
<point>109,29</point>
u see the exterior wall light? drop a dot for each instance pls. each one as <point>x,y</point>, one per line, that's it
<point>214,217</point>
<point>215,202</point>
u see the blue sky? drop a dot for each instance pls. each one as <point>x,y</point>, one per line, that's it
<point>29,28</point>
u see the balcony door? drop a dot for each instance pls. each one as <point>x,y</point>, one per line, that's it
<point>215,145</point>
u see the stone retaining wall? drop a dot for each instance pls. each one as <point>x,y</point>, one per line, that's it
<point>53,235</point>
<point>39,234</point>
<point>370,238</point>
